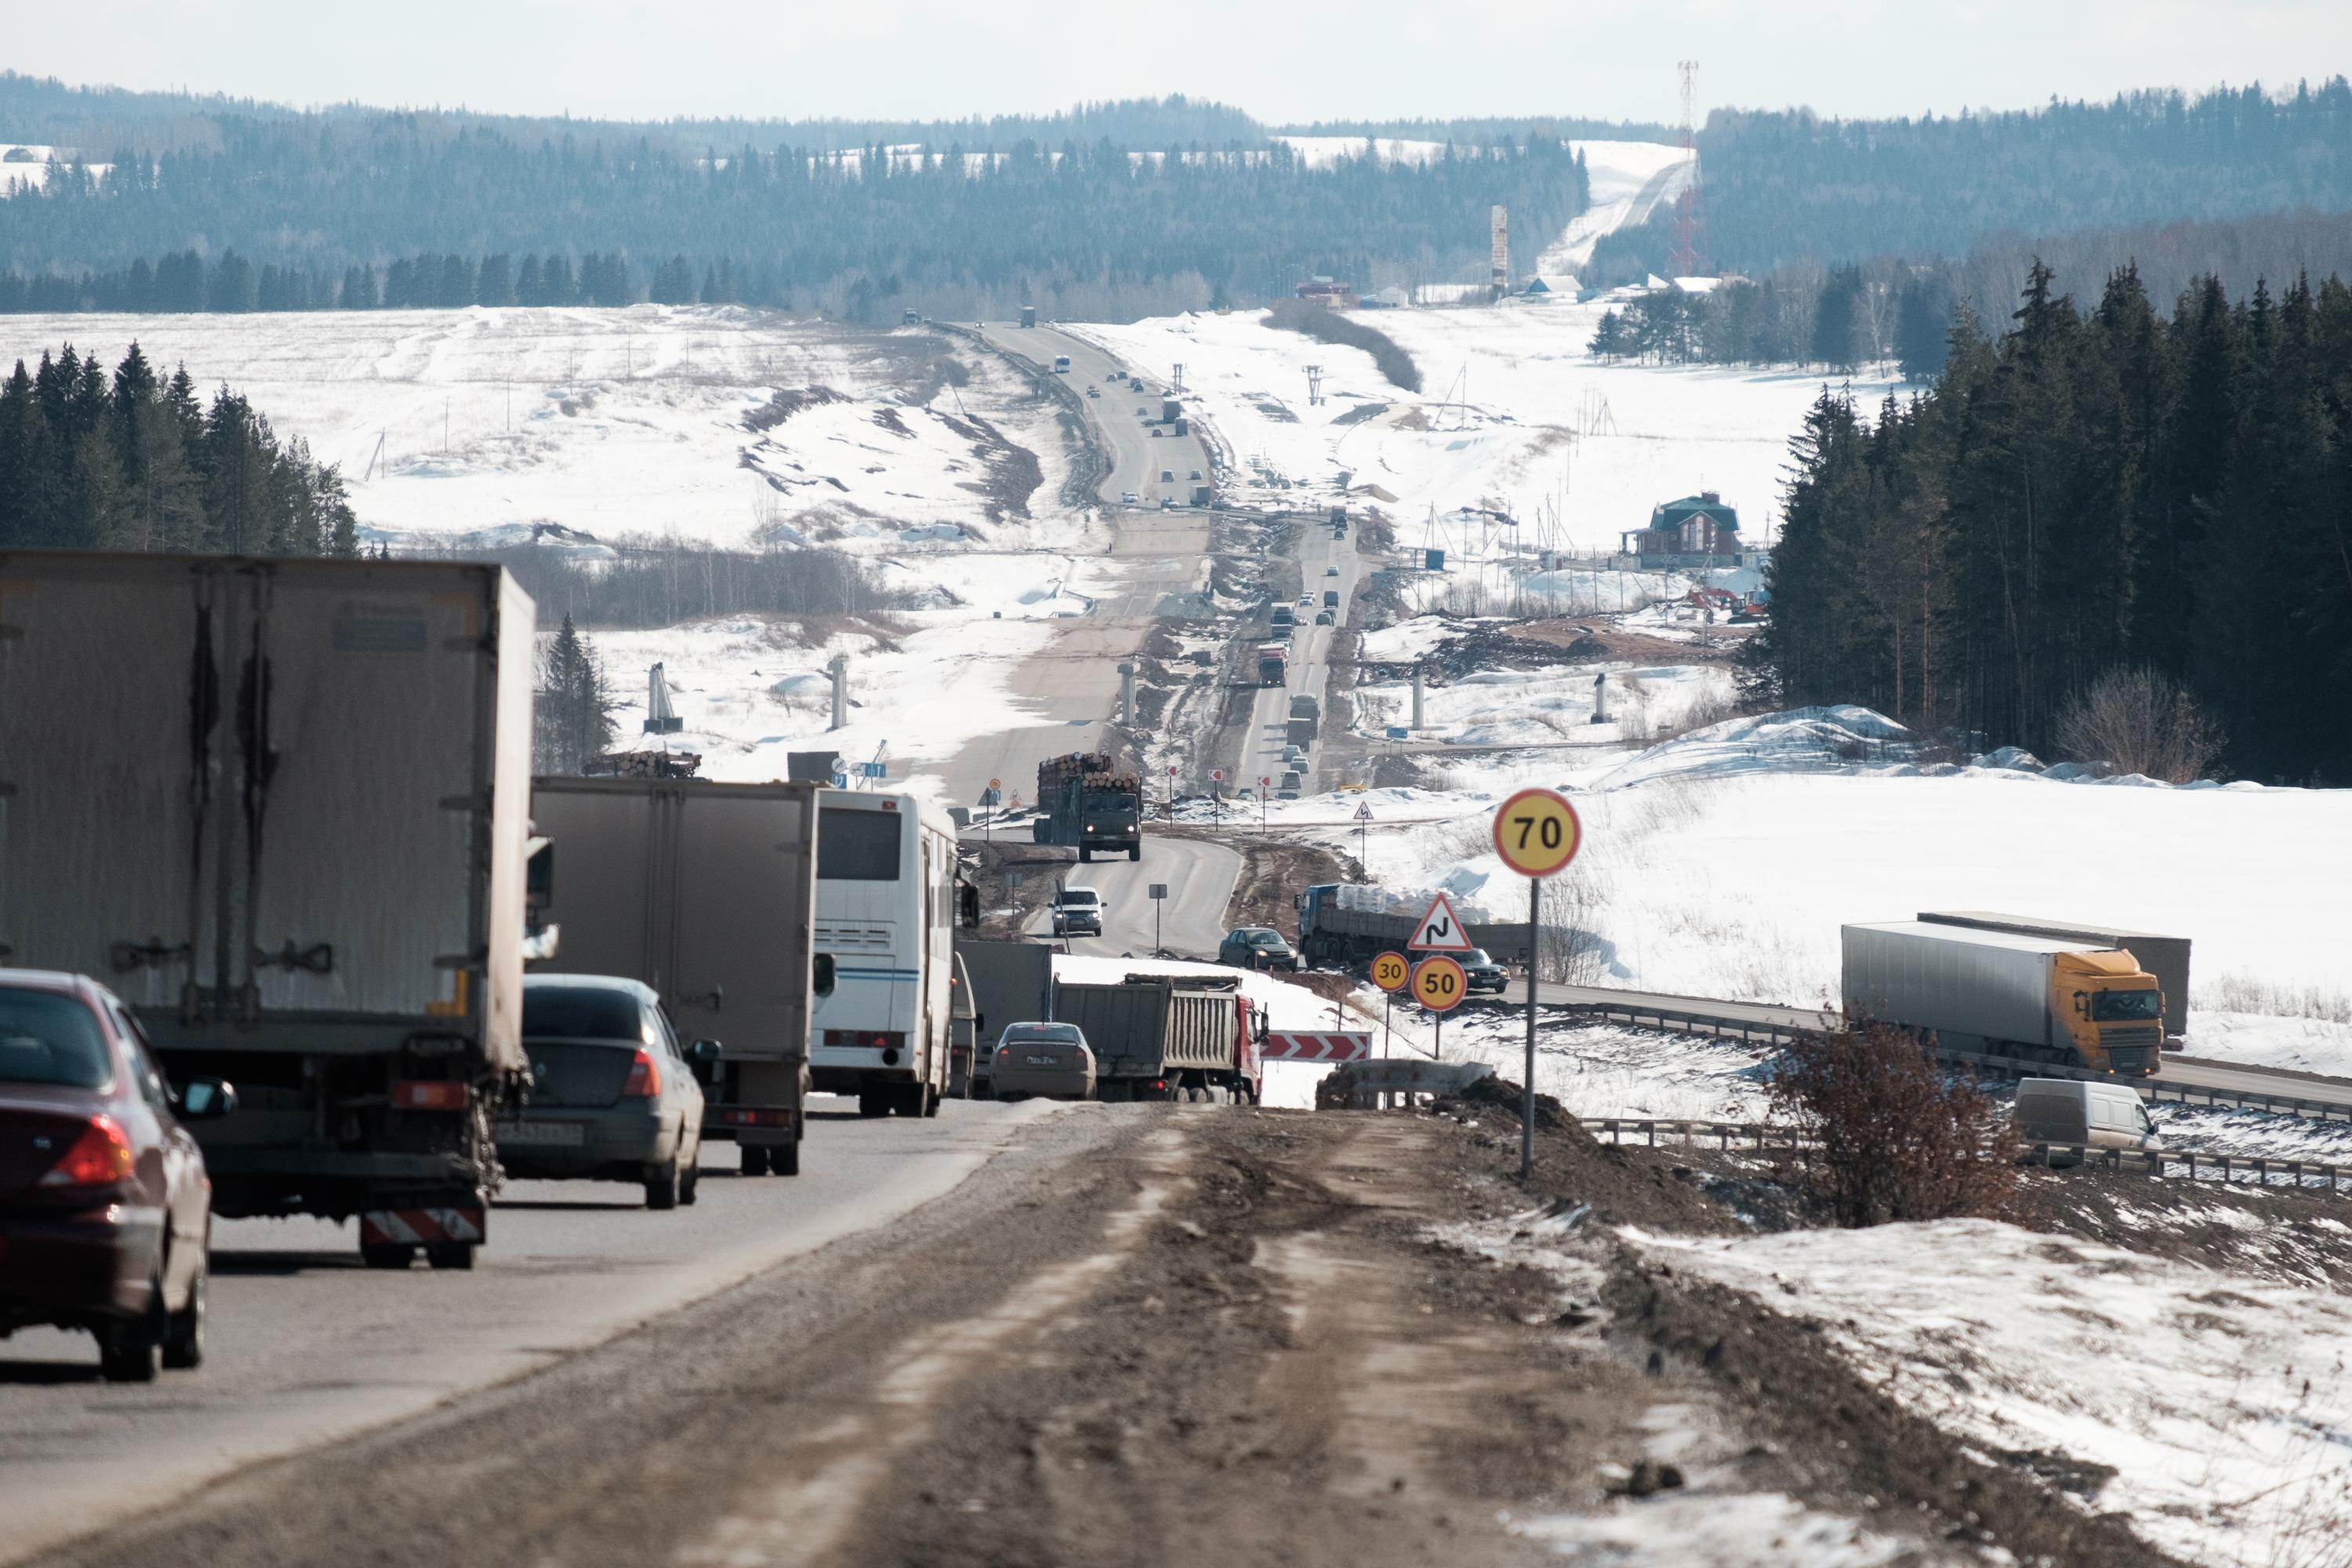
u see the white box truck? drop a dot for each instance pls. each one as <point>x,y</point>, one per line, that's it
<point>2033,998</point>
<point>279,808</point>
<point>707,892</point>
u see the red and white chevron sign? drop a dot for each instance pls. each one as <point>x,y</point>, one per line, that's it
<point>1329,1046</point>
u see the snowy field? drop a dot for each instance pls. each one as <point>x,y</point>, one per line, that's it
<point>636,421</point>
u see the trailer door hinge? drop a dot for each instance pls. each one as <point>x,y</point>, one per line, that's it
<point>152,953</point>
<point>319,958</point>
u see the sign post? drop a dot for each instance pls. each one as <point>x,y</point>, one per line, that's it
<point>1439,984</point>
<point>1172,792</point>
<point>1217,794</point>
<point>995,792</point>
<point>1264,784</point>
<point>1363,828</point>
<point>1158,896</point>
<point>1389,971</point>
<point>1537,834</point>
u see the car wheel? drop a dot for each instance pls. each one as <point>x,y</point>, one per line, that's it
<point>755,1160</point>
<point>184,1341</point>
<point>386,1254</point>
<point>1085,854</point>
<point>785,1159</point>
<point>130,1352</point>
<point>661,1187</point>
<point>457,1256</point>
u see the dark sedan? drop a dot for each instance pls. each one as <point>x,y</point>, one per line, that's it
<point>1478,969</point>
<point>613,1095</point>
<point>105,1211</point>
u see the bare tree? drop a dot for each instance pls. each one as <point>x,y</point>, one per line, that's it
<point>2140,722</point>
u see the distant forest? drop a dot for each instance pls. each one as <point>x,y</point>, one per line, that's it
<point>2118,490</point>
<point>1089,233</point>
<point>136,460</point>
<point>1789,186</point>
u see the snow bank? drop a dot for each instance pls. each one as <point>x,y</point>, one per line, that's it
<point>2220,1401</point>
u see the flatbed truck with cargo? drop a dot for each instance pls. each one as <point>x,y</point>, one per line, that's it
<point>1086,803</point>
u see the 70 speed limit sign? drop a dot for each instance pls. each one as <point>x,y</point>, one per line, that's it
<point>1536,832</point>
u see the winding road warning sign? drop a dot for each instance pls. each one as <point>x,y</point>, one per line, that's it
<point>1440,930</point>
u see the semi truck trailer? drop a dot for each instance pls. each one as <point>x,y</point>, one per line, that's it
<point>1160,1036</point>
<point>280,806</point>
<point>1347,924</point>
<point>2036,999</point>
<point>2166,957</point>
<point>1084,803</point>
<point>705,893</point>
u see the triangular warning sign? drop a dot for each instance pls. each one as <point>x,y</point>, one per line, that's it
<point>1441,929</point>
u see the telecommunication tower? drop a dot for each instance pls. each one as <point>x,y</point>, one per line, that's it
<point>1689,259</point>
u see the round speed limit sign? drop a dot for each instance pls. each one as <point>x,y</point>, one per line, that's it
<point>1536,832</point>
<point>1389,971</point>
<point>1439,983</point>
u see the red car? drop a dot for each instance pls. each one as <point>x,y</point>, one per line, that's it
<point>105,1210</point>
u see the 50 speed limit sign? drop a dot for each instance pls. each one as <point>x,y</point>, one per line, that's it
<point>1439,983</point>
<point>1536,832</point>
<point>1389,971</point>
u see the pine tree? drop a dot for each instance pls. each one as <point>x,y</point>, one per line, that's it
<point>574,708</point>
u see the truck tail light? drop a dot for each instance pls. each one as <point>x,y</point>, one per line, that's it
<point>429,1094</point>
<point>101,1157</point>
<point>751,1116</point>
<point>644,1078</point>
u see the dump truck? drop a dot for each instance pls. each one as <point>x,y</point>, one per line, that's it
<point>2032,999</point>
<point>1086,803</point>
<point>707,892</point>
<point>1349,924</point>
<point>1283,620</point>
<point>1299,732</point>
<point>280,806</point>
<point>1305,706</point>
<point>1273,663</point>
<point>1160,1036</point>
<point>2166,957</point>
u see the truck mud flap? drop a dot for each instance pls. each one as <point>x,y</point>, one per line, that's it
<point>422,1226</point>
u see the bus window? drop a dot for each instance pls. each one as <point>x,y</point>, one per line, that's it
<point>858,846</point>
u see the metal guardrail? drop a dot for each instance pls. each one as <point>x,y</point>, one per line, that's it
<point>2195,1163</point>
<point>1684,1021</point>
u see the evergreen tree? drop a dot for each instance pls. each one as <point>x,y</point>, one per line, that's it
<point>574,707</point>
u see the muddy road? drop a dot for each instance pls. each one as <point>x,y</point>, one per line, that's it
<point>1150,1335</point>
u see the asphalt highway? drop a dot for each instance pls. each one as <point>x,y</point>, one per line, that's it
<point>307,1346</point>
<point>1324,563</point>
<point>1138,457</point>
<point>1199,875</point>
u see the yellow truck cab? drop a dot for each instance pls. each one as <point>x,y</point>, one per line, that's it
<point>2113,1010</point>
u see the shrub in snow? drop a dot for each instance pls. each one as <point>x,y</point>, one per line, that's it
<point>1895,1138</point>
<point>2141,721</point>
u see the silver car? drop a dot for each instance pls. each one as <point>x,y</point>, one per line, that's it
<point>613,1097</point>
<point>1051,1060</point>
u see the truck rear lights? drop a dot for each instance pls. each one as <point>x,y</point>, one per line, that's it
<point>752,1116</point>
<point>644,1078</point>
<point>870,1039</point>
<point>429,1094</point>
<point>101,1157</point>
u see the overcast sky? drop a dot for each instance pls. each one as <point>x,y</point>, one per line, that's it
<point>1280,59</point>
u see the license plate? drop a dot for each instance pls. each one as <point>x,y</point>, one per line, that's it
<point>568,1134</point>
<point>1042,1061</point>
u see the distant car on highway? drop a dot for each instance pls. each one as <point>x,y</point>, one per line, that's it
<point>613,1097</point>
<point>1481,972</point>
<point>1128,498</point>
<point>105,1209</point>
<point>1078,911</point>
<point>1094,392</point>
<point>1306,600</point>
<point>1257,947</point>
<point>1330,571</point>
<point>1325,618</point>
<point>1050,1061</point>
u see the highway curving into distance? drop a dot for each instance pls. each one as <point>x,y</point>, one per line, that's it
<point>1199,874</point>
<point>1138,456</point>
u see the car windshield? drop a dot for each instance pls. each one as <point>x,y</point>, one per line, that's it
<point>1265,938</point>
<point>2114,1005</point>
<point>1081,896</point>
<point>1017,1033</point>
<point>47,1038</point>
<point>1476,955</point>
<point>580,1013</point>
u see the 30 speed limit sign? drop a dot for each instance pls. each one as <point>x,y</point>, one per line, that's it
<point>1439,983</point>
<point>1536,832</point>
<point>1389,971</point>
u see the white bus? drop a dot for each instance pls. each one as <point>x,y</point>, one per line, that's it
<point>886,911</point>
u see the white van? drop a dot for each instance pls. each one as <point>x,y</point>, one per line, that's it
<point>2066,1111</point>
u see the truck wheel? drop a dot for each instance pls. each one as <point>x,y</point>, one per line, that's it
<point>456,1255</point>
<point>907,1098</point>
<point>661,1187</point>
<point>387,1254</point>
<point>873,1102</point>
<point>785,1159</point>
<point>930,1100</point>
<point>1136,853</point>
<point>687,1184</point>
<point>1085,854</point>
<point>755,1160</point>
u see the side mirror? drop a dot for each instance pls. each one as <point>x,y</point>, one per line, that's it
<point>2083,1002</point>
<point>702,1059</point>
<point>820,974</point>
<point>205,1098</point>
